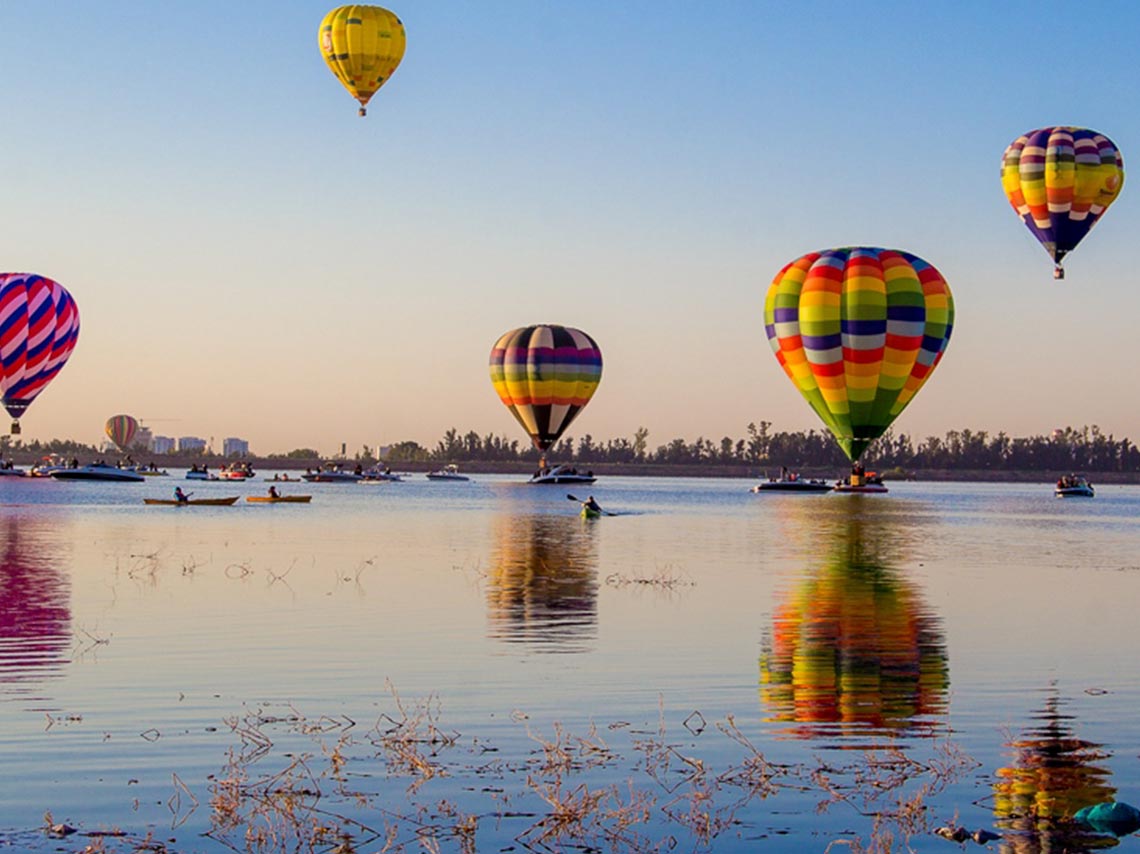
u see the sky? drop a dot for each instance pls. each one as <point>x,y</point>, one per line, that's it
<point>252,259</point>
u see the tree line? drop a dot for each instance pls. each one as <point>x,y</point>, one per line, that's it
<point>1071,449</point>
<point>1083,449</point>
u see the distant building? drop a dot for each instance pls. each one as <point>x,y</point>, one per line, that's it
<point>143,438</point>
<point>191,444</point>
<point>232,447</point>
<point>162,445</point>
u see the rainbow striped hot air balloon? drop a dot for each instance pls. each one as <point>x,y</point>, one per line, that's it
<point>121,430</point>
<point>39,327</point>
<point>1061,180</point>
<point>858,330</point>
<point>545,375</point>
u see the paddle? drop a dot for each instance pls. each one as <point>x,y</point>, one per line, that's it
<point>580,501</point>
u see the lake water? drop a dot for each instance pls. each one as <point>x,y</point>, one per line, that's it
<point>426,666</point>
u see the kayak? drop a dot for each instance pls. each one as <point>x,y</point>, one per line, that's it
<point>210,502</point>
<point>587,513</point>
<point>269,499</point>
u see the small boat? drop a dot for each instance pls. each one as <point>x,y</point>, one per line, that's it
<point>236,471</point>
<point>198,502</point>
<point>792,482</point>
<point>49,464</point>
<point>153,472</point>
<point>98,471</point>
<point>1073,486</point>
<point>380,476</point>
<point>196,473</point>
<point>332,476</point>
<point>282,479</point>
<point>862,484</point>
<point>279,499</point>
<point>450,472</point>
<point>561,475</point>
<point>10,470</point>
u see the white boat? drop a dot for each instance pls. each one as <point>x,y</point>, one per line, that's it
<point>236,471</point>
<point>380,476</point>
<point>860,482</point>
<point>98,471</point>
<point>1073,486</point>
<point>450,472</point>
<point>49,464</point>
<point>561,475</point>
<point>334,474</point>
<point>200,474</point>
<point>793,484</point>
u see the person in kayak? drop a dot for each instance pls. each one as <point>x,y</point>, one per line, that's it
<point>592,505</point>
<point>180,496</point>
<point>273,493</point>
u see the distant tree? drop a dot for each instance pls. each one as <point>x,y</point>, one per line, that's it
<point>406,452</point>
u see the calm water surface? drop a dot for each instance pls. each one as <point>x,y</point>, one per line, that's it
<point>428,664</point>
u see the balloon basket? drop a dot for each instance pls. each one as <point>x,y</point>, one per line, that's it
<point>15,431</point>
<point>1058,272</point>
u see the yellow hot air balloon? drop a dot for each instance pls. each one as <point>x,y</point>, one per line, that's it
<point>362,45</point>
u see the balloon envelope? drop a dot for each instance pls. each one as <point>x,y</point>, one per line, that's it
<point>121,430</point>
<point>858,330</point>
<point>1061,180</point>
<point>39,326</point>
<point>545,375</point>
<point>362,45</point>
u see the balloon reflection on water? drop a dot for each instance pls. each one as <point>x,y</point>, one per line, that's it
<point>1051,775</point>
<point>542,583</point>
<point>35,613</point>
<point>854,650</point>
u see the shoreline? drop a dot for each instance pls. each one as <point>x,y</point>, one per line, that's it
<point>738,471</point>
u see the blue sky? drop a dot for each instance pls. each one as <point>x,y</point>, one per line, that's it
<point>252,259</point>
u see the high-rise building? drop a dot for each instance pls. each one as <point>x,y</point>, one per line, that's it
<point>162,445</point>
<point>232,447</point>
<point>192,444</point>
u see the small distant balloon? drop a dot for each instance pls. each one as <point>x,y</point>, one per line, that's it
<point>122,429</point>
<point>1061,180</point>
<point>545,375</point>
<point>858,330</point>
<point>39,327</point>
<point>362,45</point>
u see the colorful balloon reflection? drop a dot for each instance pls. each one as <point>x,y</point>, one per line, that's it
<point>35,612</point>
<point>854,650</point>
<point>542,584</point>
<point>1053,773</point>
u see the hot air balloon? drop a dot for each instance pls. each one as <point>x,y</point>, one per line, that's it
<point>858,330</point>
<point>545,375</point>
<point>1060,180</point>
<point>121,430</point>
<point>39,325</point>
<point>362,45</point>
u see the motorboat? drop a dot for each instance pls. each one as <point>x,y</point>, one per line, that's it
<point>561,475</point>
<point>200,474</point>
<point>9,470</point>
<point>374,476</point>
<point>868,483</point>
<point>332,475</point>
<point>236,471</point>
<point>450,472</point>
<point>792,482</point>
<point>1073,486</point>
<point>49,464</point>
<point>98,471</point>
